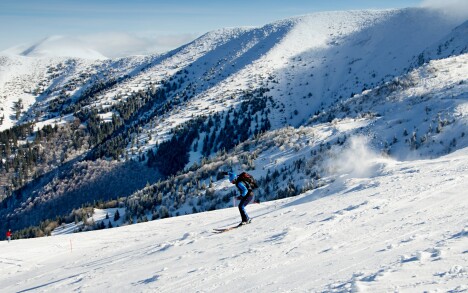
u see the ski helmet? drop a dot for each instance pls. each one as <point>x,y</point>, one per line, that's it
<point>232,176</point>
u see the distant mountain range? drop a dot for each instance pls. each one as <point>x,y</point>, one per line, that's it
<point>56,46</point>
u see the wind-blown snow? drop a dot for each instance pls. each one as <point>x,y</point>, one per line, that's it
<point>403,228</point>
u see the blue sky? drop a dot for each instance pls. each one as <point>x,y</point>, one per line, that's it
<point>154,25</point>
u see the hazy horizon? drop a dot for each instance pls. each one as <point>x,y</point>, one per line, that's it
<point>119,28</point>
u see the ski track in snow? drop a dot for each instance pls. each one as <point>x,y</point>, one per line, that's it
<point>403,230</point>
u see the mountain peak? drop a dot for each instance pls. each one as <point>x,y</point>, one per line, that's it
<point>57,46</point>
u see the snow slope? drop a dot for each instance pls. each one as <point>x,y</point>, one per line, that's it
<point>30,79</point>
<point>401,228</point>
<point>38,80</point>
<point>411,109</point>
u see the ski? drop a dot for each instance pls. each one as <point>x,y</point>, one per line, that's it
<point>222,230</point>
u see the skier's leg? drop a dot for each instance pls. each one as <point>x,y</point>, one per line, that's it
<point>245,201</point>
<point>242,210</point>
<point>248,199</point>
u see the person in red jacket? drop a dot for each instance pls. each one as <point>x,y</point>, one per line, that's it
<point>8,235</point>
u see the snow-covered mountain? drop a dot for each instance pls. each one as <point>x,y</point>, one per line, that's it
<point>350,107</point>
<point>324,56</point>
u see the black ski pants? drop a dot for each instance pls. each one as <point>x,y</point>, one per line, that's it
<point>245,201</point>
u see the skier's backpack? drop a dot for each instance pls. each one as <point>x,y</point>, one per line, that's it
<point>247,178</point>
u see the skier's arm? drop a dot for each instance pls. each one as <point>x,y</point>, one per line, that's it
<point>243,189</point>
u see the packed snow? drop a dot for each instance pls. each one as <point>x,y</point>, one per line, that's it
<point>400,228</point>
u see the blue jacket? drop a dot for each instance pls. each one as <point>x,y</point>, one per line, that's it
<point>240,185</point>
<point>243,190</point>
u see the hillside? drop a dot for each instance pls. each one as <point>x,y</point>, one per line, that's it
<point>401,228</point>
<point>150,133</point>
<point>419,115</point>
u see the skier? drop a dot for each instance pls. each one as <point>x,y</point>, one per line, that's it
<point>8,235</point>
<point>245,197</point>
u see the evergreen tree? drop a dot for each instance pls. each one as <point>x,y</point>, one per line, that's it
<point>116,216</point>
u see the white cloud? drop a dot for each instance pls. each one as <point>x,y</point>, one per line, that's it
<point>124,44</point>
<point>454,8</point>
